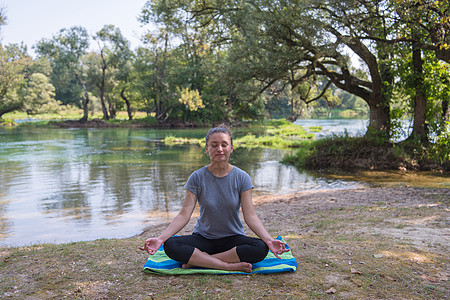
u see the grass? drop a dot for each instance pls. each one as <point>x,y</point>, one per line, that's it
<point>343,152</point>
<point>315,128</point>
<point>272,133</point>
<point>69,114</point>
<point>335,245</point>
<point>173,140</point>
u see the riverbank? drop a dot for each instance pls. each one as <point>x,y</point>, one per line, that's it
<point>374,243</point>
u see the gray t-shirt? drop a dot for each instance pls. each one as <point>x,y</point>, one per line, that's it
<point>219,200</point>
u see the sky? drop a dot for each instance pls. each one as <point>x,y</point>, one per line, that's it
<point>29,21</point>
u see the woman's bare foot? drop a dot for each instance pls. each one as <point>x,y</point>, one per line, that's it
<point>186,266</point>
<point>240,266</point>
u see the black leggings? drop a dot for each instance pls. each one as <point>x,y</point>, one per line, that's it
<point>249,249</point>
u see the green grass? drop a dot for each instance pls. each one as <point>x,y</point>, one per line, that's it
<point>315,128</point>
<point>344,152</point>
<point>69,114</point>
<point>272,133</point>
<point>173,140</point>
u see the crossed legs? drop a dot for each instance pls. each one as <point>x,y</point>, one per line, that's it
<point>235,253</point>
<point>217,261</point>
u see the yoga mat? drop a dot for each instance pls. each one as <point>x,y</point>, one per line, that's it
<point>160,263</point>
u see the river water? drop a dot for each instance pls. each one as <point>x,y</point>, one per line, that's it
<point>63,185</point>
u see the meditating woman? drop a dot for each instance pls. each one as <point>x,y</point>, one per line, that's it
<point>218,240</point>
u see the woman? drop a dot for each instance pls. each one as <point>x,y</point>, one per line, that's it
<point>218,240</point>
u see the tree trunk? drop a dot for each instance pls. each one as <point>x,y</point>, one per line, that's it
<point>161,83</point>
<point>127,103</point>
<point>112,109</point>
<point>445,117</point>
<point>86,99</point>
<point>9,109</point>
<point>293,117</point>
<point>379,118</point>
<point>102,93</point>
<point>378,102</point>
<point>420,101</point>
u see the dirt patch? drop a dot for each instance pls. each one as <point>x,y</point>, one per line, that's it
<point>418,216</point>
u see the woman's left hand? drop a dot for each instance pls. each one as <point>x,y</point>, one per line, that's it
<point>277,247</point>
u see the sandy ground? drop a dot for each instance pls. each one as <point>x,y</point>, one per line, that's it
<point>421,230</point>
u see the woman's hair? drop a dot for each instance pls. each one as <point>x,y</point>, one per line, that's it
<point>222,128</point>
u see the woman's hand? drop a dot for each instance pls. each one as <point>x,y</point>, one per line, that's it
<point>152,245</point>
<point>277,247</point>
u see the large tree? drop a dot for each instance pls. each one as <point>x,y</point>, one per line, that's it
<point>292,41</point>
<point>200,64</point>
<point>415,28</point>
<point>114,49</point>
<point>39,96</point>
<point>14,63</point>
<point>64,51</point>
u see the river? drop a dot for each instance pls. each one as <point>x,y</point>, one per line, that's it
<point>65,185</point>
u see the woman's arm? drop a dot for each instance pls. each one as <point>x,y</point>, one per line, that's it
<point>181,219</point>
<point>255,224</point>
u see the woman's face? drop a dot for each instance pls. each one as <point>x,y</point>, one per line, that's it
<point>219,147</point>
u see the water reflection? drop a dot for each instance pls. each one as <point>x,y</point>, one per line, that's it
<point>60,185</point>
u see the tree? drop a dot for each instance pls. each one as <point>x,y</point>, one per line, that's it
<point>160,79</point>
<point>114,49</point>
<point>143,78</point>
<point>64,51</point>
<point>201,65</point>
<point>292,41</point>
<point>415,27</point>
<point>2,17</point>
<point>39,96</point>
<point>125,87</point>
<point>13,66</point>
<point>424,23</point>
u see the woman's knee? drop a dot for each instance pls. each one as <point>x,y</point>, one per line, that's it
<point>177,250</point>
<point>261,251</point>
<point>252,253</point>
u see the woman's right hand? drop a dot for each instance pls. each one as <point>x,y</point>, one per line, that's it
<point>152,245</point>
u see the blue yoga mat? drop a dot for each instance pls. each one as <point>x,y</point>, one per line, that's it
<point>160,263</point>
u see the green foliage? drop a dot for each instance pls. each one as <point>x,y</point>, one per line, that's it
<point>64,51</point>
<point>13,65</point>
<point>39,96</point>
<point>436,76</point>
<point>440,150</point>
<point>114,53</point>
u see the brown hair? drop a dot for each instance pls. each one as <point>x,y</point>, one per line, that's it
<point>222,128</point>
